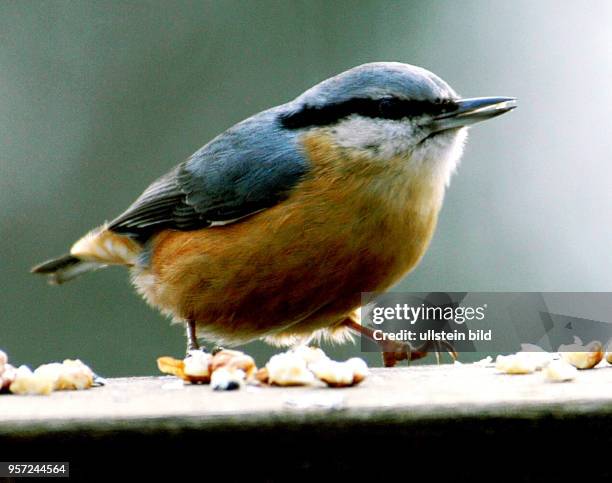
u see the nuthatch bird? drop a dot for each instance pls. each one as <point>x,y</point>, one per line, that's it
<point>276,227</point>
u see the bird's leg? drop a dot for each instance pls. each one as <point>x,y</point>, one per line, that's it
<point>192,339</point>
<point>393,352</point>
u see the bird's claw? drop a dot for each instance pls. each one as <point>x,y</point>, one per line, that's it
<point>394,352</point>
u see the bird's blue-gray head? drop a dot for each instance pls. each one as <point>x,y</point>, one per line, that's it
<point>388,109</point>
<point>379,80</point>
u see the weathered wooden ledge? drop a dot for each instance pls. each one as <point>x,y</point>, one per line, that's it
<point>394,412</point>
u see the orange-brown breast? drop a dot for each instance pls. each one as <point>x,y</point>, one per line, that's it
<point>353,225</point>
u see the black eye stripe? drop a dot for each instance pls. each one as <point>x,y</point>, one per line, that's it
<point>385,108</point>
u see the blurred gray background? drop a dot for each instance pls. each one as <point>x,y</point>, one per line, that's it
<point>99,98</point>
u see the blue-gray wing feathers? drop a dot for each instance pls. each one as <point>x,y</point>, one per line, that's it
<point>252,166</point>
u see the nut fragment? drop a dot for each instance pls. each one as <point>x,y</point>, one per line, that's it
<point>262,375</point>
<point>333,373</point>
<point>303,365</point>
<point>170,365</point>
<point>559,371</point>
<point>230,369</point>
<point>6,370</point>
<point>516,364</point>
<point>523,362</point>
<point>340,374</point>
<point>200,367</point>
<point>288,369</point>
<point>26,382</point>
<point>582,357</point>
<point>233,360</point>
<point>71,374</point>
<point>195,368</point>
<point>227,379</point>
<point>7,376</point>
<point>360,369</point>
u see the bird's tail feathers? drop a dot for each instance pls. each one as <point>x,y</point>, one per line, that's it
<point>97,249</point>
<point>65,268</point>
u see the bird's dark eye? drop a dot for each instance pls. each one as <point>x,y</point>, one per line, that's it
<point>390,108</point>
<point>394,108</point>
<point>442,106</point>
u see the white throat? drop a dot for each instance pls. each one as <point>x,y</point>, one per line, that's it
<point>436,156</point>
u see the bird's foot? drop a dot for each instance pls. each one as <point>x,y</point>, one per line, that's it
<point>394,352</point>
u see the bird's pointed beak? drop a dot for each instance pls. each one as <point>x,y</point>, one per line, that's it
<point>471,111</point>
